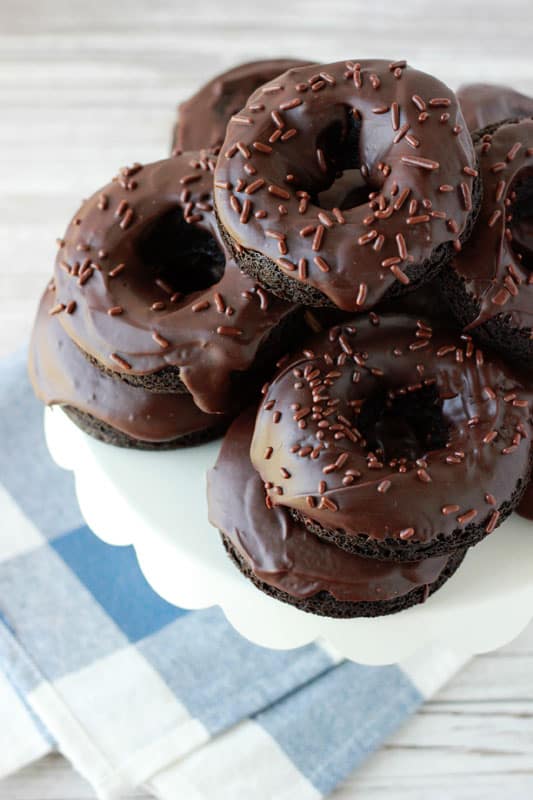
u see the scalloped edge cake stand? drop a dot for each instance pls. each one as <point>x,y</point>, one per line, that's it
<point>156,501</point>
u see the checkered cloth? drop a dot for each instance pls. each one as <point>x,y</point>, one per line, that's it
<point>134,691</point>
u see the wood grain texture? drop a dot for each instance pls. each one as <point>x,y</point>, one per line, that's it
<point>88,87</point>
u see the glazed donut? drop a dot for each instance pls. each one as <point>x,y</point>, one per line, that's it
<point>110,410</point>
<point>283,559</point>
<point>490,284</point>
<point>145,289</point>
<point>202,119</point>
<point>485,104</point>
<point>394,441</point>
<point>401,135</point>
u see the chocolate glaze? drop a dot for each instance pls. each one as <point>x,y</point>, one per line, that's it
<point>132,324</point>
<point>308,448</point>
<point>484,104</point>
<point>400,128</point>
<point>495,275</point>
<point>282,552</point>
<point>202,119</point>
<point>62,375</point>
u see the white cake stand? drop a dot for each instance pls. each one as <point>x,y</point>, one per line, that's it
<point>156,501</point>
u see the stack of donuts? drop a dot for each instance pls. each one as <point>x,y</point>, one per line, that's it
<point>334,268</point>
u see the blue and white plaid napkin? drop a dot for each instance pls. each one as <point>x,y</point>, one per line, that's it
<point>134,691</point>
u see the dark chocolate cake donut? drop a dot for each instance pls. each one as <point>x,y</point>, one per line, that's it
<point>283,559</point>
<point>110,410</point>
<point>394,441</point>
<point>396,133</point>
<point>202,119</point>
<point>146,290</point>
<point>525,507</point>
<point>489,284</point>
<point>485,104</point>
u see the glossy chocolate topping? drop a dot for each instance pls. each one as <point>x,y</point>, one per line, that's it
<point>497,261</point>
<point>386,428</point>
<point>62,375</point>
<point>202,119</point>
<point>484,104</point>
<point>143,284</point>
<point>399,132</point>
<point>282,552</point>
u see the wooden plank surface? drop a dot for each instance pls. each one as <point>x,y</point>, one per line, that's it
<point>87,87</point>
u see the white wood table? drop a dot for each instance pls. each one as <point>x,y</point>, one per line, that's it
<point>88,87</point>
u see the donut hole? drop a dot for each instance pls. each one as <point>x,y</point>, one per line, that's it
<point>225,104</point>
<point>521,223</point>
<point>346,182</point>
<point>180,254</point>
<point>406,426</point>
<point>348,190</point>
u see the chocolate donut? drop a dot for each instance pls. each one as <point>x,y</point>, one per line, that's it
<point>110,410</point>
<point>490,283</point>
<point>146,290</point>
<point>283,559</point>
<point>485,104</point>
<point>399,133</point>
<point>202,119</point>
<point>394,441</point>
